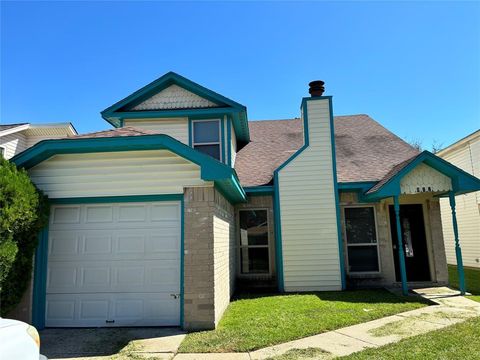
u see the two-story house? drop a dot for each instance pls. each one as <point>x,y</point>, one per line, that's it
<point>155,222</point>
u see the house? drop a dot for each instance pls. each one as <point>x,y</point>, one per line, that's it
<point>155,221</point>
<point>14,138</point>
<point>465,154</point>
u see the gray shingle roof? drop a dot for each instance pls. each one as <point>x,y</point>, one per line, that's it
<point>10,126</point>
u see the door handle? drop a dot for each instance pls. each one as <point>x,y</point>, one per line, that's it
<point>175,296</point>
<point>109,321</point>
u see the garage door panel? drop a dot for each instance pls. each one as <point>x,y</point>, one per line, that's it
<point>86,310</point>
<point>119,276</point>
<point>116,262</point>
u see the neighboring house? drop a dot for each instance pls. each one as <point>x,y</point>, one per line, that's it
<point>15,138</point>
<point>155,221</point>
<point>465,154</point>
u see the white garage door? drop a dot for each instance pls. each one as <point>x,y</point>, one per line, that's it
<point>114,265</point>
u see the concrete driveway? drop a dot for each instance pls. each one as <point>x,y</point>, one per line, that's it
<point>111,343</point>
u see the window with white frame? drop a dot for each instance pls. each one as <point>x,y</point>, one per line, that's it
<point>361,239</point>
<point>206,137</point>
<point>254,252</point>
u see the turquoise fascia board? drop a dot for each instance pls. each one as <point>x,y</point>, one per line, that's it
<point>337,198</point>
<point>114,113</point>
<point>211,169</point>
<point>222,129</point>
<point>40,280</point>
<point>259,190</point>
<point>462,182</point>
<point>278,235</point>
<point>356,186</point>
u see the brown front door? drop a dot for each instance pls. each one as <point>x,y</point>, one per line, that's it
<point>414,241</point>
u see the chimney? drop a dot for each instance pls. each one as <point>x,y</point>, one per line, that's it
<point>316,88</point>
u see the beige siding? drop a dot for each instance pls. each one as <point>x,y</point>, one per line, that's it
<point>175,127</point>
<point>308,210</point>
<point>424,178</point>
<point>13,144</point>
<point>466,157</point>
<point>116,174</point>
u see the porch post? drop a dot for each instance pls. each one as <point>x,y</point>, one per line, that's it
<point>401,255</point>
<point>458,250</point>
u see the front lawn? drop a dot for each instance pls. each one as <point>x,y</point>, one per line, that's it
<point>472,280</point>
<point>252,323</point>
<point>460,341</point>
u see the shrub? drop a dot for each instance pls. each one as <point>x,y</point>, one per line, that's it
<point>23,213</point>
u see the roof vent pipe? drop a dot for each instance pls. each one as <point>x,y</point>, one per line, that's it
<point>316,88</point>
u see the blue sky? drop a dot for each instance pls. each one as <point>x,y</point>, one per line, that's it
<point>413,66</point>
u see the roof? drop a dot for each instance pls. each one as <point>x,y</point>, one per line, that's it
<point>10,126</point>
<point>365,150</point>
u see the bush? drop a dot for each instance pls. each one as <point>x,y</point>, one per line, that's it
<point>23,213</point>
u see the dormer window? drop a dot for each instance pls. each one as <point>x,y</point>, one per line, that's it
<point>206,137</point>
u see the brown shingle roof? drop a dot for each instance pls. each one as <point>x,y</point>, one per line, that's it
<point>124,131</point>
<point>10,126</point>
<point>365,150</point>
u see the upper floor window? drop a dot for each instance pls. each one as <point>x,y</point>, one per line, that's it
<point>206,137</point>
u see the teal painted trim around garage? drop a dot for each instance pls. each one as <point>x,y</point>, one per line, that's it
<point>113,113</point>
<point>229,141</point>
<point>182,261</point>
<point>116,199</point>
<point>40,281</point>
<point>211,170</point>
<point>278,235</point>
<point>259,190</point>
<point>462,182</point>
<point>337,199</point>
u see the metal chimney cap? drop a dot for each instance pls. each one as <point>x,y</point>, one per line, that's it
<point>316,88</point>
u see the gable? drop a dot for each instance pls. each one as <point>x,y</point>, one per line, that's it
<point>424,178</point>
<point>174,97</point>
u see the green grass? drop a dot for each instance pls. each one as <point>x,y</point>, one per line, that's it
<point>472,280</point>
<point>460,341</point>
<point>252,323</point>
<point>303,354</point>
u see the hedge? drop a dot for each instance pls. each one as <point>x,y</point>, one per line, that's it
<point>23,213</point>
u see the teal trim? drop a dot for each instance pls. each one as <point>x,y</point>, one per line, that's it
<point>190,132</point>
<point>356,186</point>
<point>120,108</point>
<point>278,235</point>
<point>337,199</point>
<point>222,129</point>
<point>40,280</point>
<point>401,255</point>
<point>462,182</point>
<point>211,170</point>
<point>259,190</point>
<point>116,199</point>
<point>458,250</point>
<point>182,261</point>
<point>229,141</point>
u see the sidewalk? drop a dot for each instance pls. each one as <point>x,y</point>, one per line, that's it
<point>451,308</point>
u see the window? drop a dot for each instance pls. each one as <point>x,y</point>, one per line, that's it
<point>361,236</point>
<point>254,253</point>
<point>206,137</point>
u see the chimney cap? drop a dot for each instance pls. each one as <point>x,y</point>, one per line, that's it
<point>316,88</point>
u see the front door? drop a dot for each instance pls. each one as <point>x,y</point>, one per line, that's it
<point>414,242</point>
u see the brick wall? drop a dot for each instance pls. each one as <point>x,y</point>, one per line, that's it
<point>209,262</point>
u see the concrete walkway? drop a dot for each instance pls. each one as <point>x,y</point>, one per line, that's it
<point>451,308</point>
